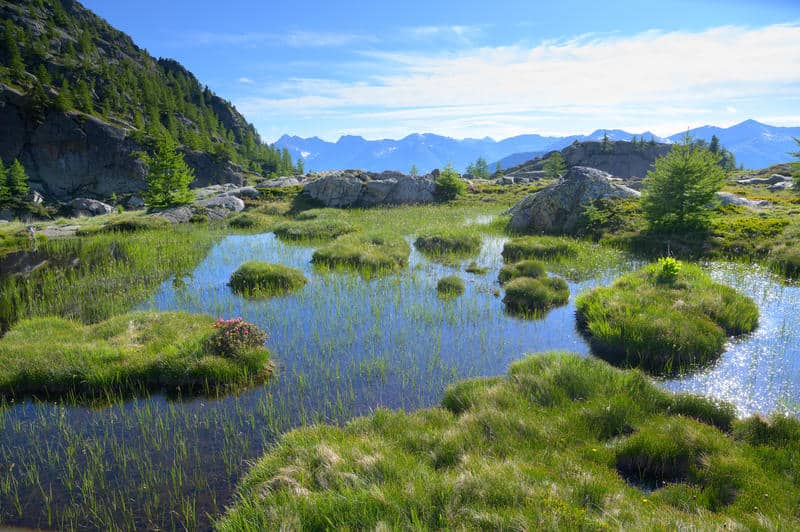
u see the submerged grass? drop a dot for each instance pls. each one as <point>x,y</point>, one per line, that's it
<point>141,350</point>
<point>561,442</point>
<point>264,278</point>
<point>664,325</point>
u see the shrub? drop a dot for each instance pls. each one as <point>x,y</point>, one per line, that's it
<point>449,184</point>
<point>256,277</point>
<point>526,295</point>
<point>669,269</point>
<point>234,337</point>
<point>314,229</point>
<point>452,285</point>
<point>449,242</point>
<point>368,252</point>
<point>524,268</point>
<point>538,247</point>
<point>664,328</point>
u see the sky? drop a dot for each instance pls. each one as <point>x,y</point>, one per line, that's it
<point>474,69</point>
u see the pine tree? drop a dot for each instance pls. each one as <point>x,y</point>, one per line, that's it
<point>713,147</point>
<point>605,145</point>
<point>301,167</point>
<point>168,176</point>
<point>5,192</point>
<point>11,53</point>
<point>498,168</point>
<point>680,191</point>
<point>414,171</point>
<point>796,166</point>
<point>38,102</point>
<point>481,169</point>
<point>43,76</point>
<point>555,166</point>
<point>83,97</point>
<point>17,181</point>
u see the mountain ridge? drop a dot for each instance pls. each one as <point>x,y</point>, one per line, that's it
<point>753,143</point>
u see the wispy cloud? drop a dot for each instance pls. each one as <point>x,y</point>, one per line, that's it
<point>246,81</point>
<point>652,78</point>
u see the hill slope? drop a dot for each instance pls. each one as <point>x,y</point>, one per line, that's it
<point>78,99</point>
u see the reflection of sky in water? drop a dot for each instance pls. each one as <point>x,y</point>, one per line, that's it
<point>341,332</point>
<point>345,346</point>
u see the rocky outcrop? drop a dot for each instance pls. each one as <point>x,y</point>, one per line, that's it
<point>227,189</point>
<point>771,180</point>
<point>284,181</point>
<point>231,203</point>
<point>90,207</point>
<point>558,208</point>
<point>727,198</point>
<point>354,188</point>
<point>622,159</point>
<point>70,154</point>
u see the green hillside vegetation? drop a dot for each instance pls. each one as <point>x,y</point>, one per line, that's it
<point>65,58</point>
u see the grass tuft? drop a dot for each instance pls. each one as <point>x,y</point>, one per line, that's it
<point>526,295</point>
<point>524,268</point>
<point>539,247</point>
<point>450,286</point>
<point>449,243</point>
<point>264,278</point>
<point>368,252</point>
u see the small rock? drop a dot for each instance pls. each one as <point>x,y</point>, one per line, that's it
<point>34,197</point>
<point>135,203</point>
<point>783,185</point>
<point>90,207</point>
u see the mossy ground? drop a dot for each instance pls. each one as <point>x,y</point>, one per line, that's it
<point>264,278</point>
<point>368,252</point>
<point>561,442</point>
<point>664,326</point>
<point>130,352</point>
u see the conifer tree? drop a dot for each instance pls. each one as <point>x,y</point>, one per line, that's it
<point>168,176</point>
<point>713,147</point>
<point>300,166</point>
<point>11,53</point>
<point>605,145</point>
<point>555,166</point>
<point>5,192</point>
<point>17,180</point>
<point>414,171</point>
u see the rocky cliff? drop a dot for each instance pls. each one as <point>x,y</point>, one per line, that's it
<point>621,159</point>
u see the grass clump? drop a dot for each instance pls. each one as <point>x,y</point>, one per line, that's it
<point>319,229</point>
<point>450,286</point>
<point>524,268</point>
<point>527,451</point>
<point>527,295</point>
<point>664,322</point>
<point>377,251</point>
<point>785,260</point>
<point>449,242</point>
<point>264,278</point>
<point>475,268</point>
<point>249,220</point>
<point>54,356</point>
<point>539,247</point>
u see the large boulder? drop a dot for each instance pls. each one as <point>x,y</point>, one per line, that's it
<point>353,188</point>
<point>231,203</point>
<point>727,198</point>
<point>280,182</point>
<point>89,207</point>
<point>558,208</point>
<point>771,180</point>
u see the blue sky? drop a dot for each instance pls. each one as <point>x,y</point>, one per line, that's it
<point>476,69</point>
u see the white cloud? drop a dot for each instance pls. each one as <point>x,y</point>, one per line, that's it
<point>652,78</point>
<point>246,81</point>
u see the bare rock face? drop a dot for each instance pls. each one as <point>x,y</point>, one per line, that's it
<point>89,207</point>
<point>620,159</point>
<point>558,208</point>
<point>774,179</point>
<point>353,188</point>
<point>70,155</point>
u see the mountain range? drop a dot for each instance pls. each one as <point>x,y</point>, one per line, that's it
<point>755,145</point>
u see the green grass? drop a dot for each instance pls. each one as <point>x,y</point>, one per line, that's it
<point>474,267</point>
<point>664,327</point>
<point>264,278</point>
<point>544,448</point>
<point>251,220</point>
<point>785,259</point>
<point>55,356</point>
<point>322,228</point>
<point>369,252</point>
<point>539,247</point>
<point>91,278</point>
<point>523,268</point>
<point>525,295</point>
<point>450,286</point>
<point>461,243</point>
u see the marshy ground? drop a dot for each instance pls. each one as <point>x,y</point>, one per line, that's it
<point>344,344</point>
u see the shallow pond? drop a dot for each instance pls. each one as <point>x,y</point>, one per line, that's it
<point>344,346</point>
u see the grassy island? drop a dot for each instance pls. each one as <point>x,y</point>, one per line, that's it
<point>526,295</point>
<point>377,251</point>
<point>444,243</point>
<point>524,268</point>
<point>264,278</point>
<point>665,317</point>
<point>539,247</point>
<point>127,353</point>
<point>450,286</point>
<point>561,442</point>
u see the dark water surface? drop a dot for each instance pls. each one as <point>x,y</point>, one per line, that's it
<point>344,346</point>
